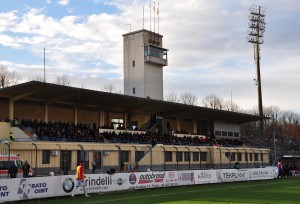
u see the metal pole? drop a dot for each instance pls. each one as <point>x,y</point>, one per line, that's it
<point>274,137</point>
<point>257,28</point>
<point>260,107</point>
<point>35,158</point>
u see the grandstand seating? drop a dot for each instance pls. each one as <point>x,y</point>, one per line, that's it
<point>66,131</point>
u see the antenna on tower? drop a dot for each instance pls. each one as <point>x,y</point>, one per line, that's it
<point>44,64</point>
<point>158,18</point>
<point>154,15</point>
<point>143,17</point>
<point>150,16</point>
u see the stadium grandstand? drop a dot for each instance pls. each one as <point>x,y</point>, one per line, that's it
<point>56,126</point>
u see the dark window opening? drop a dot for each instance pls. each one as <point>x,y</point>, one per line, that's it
<point>195,156</point>
<point>46,157</point>
<point>168,157</point>
<point>187,156</point>
<point>203,156</point>
<point>179,156</point>
<point>239,156</point>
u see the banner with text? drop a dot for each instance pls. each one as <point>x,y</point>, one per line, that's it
<point>53,186</point>
<point>261,174</point>
<point>205,176</point>
<point>230,175</point>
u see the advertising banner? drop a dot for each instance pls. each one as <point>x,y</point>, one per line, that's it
<point>54,186</point>
<point>96,183</point>
<point>171,179</point>
<point>231,175</point>
<point>28,188</point>
<point>151,179</point>
<point>186,177</point>
<point>205,176</point>
<point>261,173</point>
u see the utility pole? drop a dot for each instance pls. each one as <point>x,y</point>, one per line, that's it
<point>256,30</point>
<point>274,135</point>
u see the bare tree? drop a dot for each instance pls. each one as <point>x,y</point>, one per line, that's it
<point>188,98</point>
<point>36,78</point>
<point>230,106</point>
<point>8,78</point>
<point>172,97</point>
<point>212,101</point>
<point>110,88</point>
<point>63,80</point>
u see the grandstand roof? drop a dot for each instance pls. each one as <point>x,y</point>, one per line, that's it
<point>85,98</point>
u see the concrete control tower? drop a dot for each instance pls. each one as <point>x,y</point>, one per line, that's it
<point>144,58</point>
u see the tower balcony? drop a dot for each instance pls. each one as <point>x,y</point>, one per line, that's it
<point>155,55</point>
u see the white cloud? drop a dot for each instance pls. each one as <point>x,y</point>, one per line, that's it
<point>8,41</point>
<point>63,2</point>
<point>208,52</point>
<point>7,20</point>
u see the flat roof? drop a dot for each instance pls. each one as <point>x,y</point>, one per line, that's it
<point>140,31</point>
<point>99,100</point>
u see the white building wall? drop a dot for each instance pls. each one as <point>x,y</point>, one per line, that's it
<point>134,75</point>
<point>153,82</point>
<point>147,79</point>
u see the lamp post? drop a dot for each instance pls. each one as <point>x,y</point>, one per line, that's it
<point>274,134</point>
<point>255,36</point>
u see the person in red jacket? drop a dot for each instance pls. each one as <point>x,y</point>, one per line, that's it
<point>80,179</point>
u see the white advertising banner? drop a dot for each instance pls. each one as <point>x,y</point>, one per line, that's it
<point>170,179</point>
<point>96,183</point>
<point>28,188</point>
<point>53,186</point>
<point>205,176</point>
<point>186,178</point>
<point>151,179</point>
<point>230,175</point>
<point>261,173</point>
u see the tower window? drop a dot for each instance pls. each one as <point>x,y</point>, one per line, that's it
<point>133,90</point>
<point>154,51</point>
<point>133,63</point>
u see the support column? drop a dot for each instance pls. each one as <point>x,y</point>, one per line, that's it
<point>107,119</point>
<point>102,119</point>
<point>178,124</point>
<point>11,110</point>
<point>195,126</point>
<point>46,113</point>
<point>75,116</point>
<point>125,115</point>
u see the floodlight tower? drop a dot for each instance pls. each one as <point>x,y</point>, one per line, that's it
<point>256,30</point>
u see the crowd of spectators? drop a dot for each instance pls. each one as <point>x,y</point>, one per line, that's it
<point>153,138</point>
<point>67,131</point>
<point>5,119</point>
<point>64,131</point>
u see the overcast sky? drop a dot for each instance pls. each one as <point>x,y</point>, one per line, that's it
<point>208,51</point>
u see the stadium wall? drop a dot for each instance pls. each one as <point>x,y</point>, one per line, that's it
<point>50,156</point>
<point>54,186</point>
